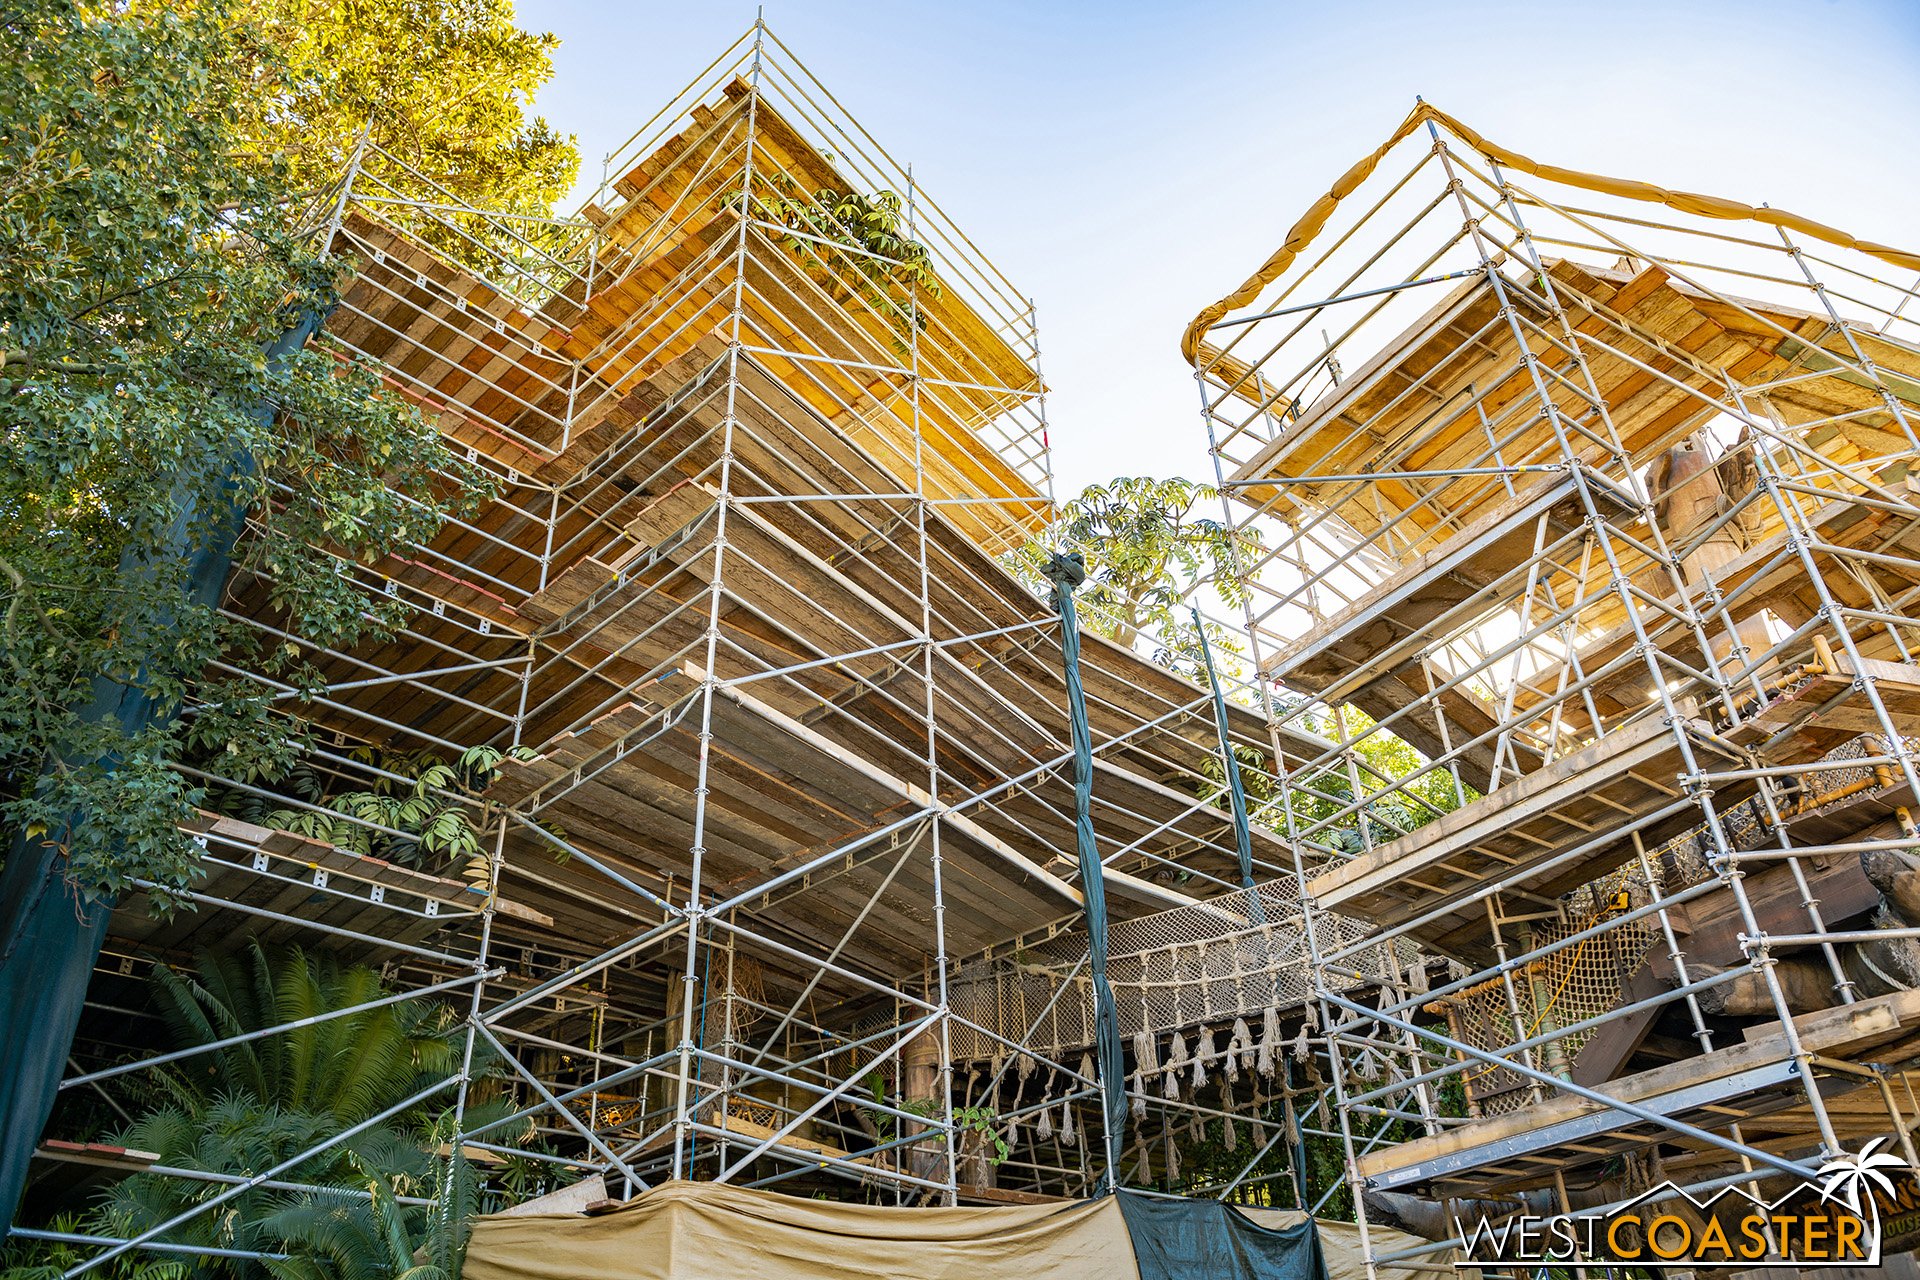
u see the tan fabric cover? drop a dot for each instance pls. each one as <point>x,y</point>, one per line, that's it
<point>684,1230</point>
<point>1315,218</point>
<point>689,1230</point>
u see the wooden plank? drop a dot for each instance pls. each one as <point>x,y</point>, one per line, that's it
<point>1597,790</point>
<point>1844,1032</point>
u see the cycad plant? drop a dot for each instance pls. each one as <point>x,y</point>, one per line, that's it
<point>247,1107</point>
<point>345,1235</point>
<point>346,1068</point>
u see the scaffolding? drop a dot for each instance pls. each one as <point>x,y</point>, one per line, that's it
<point>783,783</point>
<point>1589,540</point>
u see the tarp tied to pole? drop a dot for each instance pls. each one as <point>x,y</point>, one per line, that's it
<point>1230,764</point>
<point>1066,573</point>
<point>683,1229</point>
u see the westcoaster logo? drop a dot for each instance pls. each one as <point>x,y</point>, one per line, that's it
<point>1860,1200</point>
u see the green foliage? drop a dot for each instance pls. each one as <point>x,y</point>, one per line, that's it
<point>421,809</point>
<point>147,273</point>
<point>1147,551</point>
<point>886,267</point>
<point>247,1107</point>
<point>979,1121</point>
<point>344,1069</point>
<point>49,1260</point>
<point>344,1235</point>
<point>440,87</point>
<point>1381,759</point>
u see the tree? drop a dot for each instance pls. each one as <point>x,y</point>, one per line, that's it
<point>439,86</point>
<point>143,417</point>
<point>157,402</point>
<point>344,1235</point>
<point>1379,759</point>
<point>1147,552</point>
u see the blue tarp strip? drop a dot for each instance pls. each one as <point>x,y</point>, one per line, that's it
<point>1066,573</point>
<point>1181,1239</point>
<point>49,939</point>
<point>1237,795</point>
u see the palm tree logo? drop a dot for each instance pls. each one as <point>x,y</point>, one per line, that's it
<point>1852,1179</point>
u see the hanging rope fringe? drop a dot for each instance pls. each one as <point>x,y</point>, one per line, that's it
<point>1176,1060</point>
<point>1244,1035</point>
<point>1302,1046</point>
<point>1173,1160</point>
<point>1231,1136</point>
<point>1202,1050</point>
<point>1144,1063</point>
<point>1269,1043</point>
<point>1313,1015</point>
<point>1368,1067</point>
<point>1143,1173</point>
<point>1068,1134</point>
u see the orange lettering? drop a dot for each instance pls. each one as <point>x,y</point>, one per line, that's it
<point>1753,1228</point>
<point>1847,1239</point>
<point>1653,1237</point>
<point>1715,1237</point>
<point>1613,1238</point>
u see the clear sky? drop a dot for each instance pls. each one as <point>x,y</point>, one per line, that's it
<point>1127,163</point>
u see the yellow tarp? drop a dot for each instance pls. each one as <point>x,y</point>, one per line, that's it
<point>682,1230</point>
<point>1315,219</point>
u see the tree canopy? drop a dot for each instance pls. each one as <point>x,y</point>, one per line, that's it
<point>441,86</point>
<point>1148,549</point>
<point>150,263</point>
<point>250,1106</point>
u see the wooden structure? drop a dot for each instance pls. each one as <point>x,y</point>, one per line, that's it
<point>1608,511</point>
<point>786,737</point>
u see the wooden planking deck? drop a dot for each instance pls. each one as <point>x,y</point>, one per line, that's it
<point>1514,836</point>
<point>1710,1090</point>
<point>780,794</point>
<point>290,874</point>
<point>1369,424</point>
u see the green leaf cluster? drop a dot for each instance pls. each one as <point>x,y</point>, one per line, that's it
<point>149,265</point>
<point>416,808</point>
<point>1147,550</point>
<point>248,1107</point>
<point>439,88</point>
<point>887,268</point>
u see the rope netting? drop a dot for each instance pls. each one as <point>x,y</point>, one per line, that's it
<point>1560,989</point>
<point>1585,980</point>
<point>1211,962</point>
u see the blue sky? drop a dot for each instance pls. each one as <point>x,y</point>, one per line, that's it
<point>1127,163</point>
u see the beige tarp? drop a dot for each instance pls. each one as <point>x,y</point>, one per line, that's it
<point>1315,218</point>
<point>683,1230</point>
